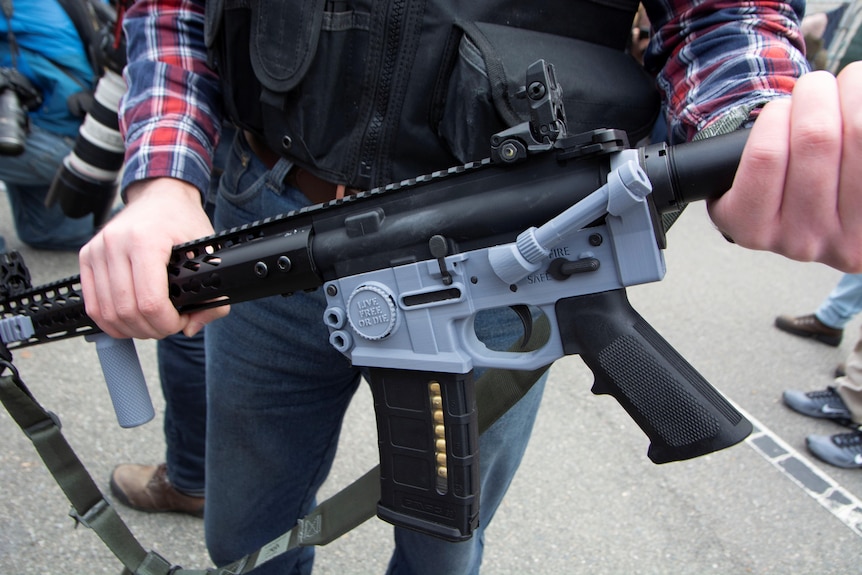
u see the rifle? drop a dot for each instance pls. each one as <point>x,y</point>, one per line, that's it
<point>550,222</point>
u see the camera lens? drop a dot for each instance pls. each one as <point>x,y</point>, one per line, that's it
<point>86,182</point>
<point>13,121</point>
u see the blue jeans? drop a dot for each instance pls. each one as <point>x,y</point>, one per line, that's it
<point>843,303</point>
<point>27,178</point>
<point>182,371</point>
<point>277,394</point>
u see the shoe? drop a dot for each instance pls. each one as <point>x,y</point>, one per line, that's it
<point>826,404</point>
<point>842,450</point>
<point>147,488</point>
<point>810,326</point>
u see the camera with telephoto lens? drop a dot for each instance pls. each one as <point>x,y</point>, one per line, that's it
<point>87,180</point>
<point>17,96</point>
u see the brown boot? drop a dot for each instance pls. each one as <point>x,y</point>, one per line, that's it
<point>147,488</point>
<point>810,326</point>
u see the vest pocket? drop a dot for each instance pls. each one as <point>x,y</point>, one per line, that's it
<point>476,95</point>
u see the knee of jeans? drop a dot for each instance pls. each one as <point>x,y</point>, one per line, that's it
<point>418,554</point>
<point>51,230</point>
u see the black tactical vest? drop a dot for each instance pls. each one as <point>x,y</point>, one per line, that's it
<point>366,92</point>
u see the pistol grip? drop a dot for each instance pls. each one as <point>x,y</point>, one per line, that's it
<point>681,413</point>
<point>427,429</point>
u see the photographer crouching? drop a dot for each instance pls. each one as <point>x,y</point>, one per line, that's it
<point>47,84</point>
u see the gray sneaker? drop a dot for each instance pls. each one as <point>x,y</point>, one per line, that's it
<point>826,404</point>
<point>842,450</point>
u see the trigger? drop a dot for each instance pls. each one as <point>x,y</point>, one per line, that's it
<point>526,318</point>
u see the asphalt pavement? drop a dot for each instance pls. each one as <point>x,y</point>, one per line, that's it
<point>586,499</point>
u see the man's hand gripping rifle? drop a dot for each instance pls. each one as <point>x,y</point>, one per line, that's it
<point>552,222</point>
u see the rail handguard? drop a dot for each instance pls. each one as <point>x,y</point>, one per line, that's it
<point>557,223</point>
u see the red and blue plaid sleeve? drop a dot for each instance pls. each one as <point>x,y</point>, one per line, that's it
<point>171,114</point>
<point>714,56</point>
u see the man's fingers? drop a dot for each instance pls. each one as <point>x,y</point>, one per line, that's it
<point>197,320</point>
<point>96,295</point>
<point>809,210</point>
<point>798,189</point>
<point>850,192</point>
<point>150,280</point>
<point>750,218</point>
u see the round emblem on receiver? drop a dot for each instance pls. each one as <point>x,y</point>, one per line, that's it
<point>371,311</point>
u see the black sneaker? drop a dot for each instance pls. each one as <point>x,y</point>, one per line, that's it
<point>826,404</point>
<point>842,450</point>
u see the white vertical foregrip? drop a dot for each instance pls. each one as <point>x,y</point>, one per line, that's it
<point>125,379</point>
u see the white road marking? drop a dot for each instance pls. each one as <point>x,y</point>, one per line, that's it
<point>802,471</point>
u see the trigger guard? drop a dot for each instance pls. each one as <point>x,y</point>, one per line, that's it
<point>484,357</point>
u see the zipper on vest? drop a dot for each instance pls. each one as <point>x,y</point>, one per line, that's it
<point>370,153</point>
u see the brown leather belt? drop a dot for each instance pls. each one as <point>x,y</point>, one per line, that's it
<point>316,189</point>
